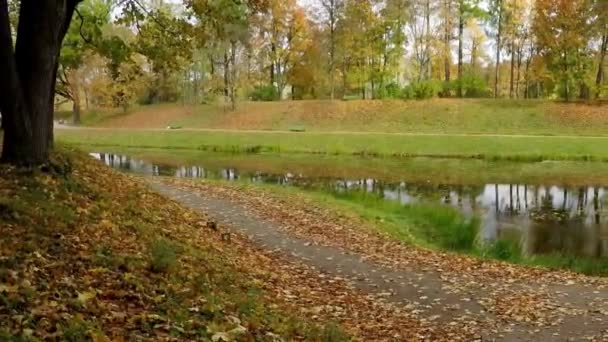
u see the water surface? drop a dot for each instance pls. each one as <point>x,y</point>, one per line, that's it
<point>542,218</point>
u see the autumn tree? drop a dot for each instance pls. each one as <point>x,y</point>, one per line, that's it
<point>496,15</point>
<point>562,29</point>
<point>600,10</point>
<point>467,10</point>
<point>333,12</point>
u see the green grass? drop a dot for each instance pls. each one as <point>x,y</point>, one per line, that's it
<point>446,146</point>
<point>433,225</point>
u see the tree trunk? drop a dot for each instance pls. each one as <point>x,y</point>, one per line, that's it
<point>446,42</point>
<point>76,113</point>
<point>75,91</point>
<point>527,77</point>
<point>28,78</point>
<point>512,78</point>
<point>233,75</point>
<point>344,80</point>
<point>273,48</point>
<point>498,46</point>
<point>332,47</point>
<point>460,48</point>
<point>600,70</point>
<point>567,82</point>
<point>428,39</point>
<point>518,81</point>
<point>226,74</point>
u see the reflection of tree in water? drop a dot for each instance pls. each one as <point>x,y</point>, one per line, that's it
<point>549,219</point>
<point>563,228</point>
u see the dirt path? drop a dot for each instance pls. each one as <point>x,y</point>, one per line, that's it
<point>558,308</point>
<point>66,127</point>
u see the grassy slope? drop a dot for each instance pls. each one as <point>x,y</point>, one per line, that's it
<point>94,255</point>
<point>482,147</point>
<point>431,116</point>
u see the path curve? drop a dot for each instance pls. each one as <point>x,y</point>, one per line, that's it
<point>419,290</point>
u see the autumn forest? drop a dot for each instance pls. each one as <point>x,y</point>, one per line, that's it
<point>117,55</point>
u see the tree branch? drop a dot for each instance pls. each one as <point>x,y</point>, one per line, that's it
<point>86,40</point>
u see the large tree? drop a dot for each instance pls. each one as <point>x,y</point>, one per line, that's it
<point>28,76</point>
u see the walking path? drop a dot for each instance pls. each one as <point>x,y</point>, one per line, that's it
<point>566,312</point>
<point>251,131</point>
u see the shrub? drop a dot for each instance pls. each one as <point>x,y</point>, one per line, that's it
<point>407,93</point>
<point>388,91</point>
<point>264,93</point>
<point>164,256</point>
<point>422,90</point>
<point>473,86</point>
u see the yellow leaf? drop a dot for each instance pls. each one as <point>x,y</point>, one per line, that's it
<point>84,297</point>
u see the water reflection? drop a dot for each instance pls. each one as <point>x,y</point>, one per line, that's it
<point>542,218</point>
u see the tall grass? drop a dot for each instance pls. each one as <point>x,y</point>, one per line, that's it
<point>435,225</point>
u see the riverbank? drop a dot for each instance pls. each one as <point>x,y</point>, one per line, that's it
<point>487,147</point>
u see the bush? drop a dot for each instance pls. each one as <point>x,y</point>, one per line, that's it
<point>421,90</point>
<point>164,256</point>
<point>264,93</point>
<point>388,91</point>
<point>473,86</point>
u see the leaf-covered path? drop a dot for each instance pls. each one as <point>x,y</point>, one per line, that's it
<point>481,299</point>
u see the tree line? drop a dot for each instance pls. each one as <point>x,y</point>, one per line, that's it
<point>108,53</point>
<point>200,50</point>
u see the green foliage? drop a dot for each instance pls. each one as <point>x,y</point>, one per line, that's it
<point>389,91</point>
<point>436,225</point>
<point>502,249</point>
<point>164,256</point>
<point>421,90</point>
<point>472,86</point>
<point>264,93</point>
<point>444,227</point>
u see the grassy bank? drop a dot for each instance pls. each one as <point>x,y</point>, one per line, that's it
<point>428,225</point>
<point>517,148</point>
<point>89,254</point>
<point>431,116</point>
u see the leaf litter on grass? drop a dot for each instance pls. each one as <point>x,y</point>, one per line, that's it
<point>533,299</point>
